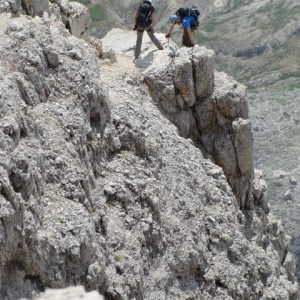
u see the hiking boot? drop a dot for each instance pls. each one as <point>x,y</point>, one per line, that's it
<point>137,60</point>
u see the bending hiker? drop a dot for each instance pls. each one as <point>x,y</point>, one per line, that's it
<point>144,20</point>
<point>188,17</point>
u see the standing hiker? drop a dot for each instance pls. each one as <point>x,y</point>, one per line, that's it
<point>144,20</point>
<point>189,18</point>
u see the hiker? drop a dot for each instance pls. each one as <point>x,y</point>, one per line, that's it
<point>144,20</point>
<point>188,17</point>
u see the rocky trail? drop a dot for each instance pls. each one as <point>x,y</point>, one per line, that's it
<point>124,77</point>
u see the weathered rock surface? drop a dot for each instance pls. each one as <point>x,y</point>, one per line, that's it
<point>74,15</point>
<point>29,7</point>
<point>99,189</point>
<point>217,118</point>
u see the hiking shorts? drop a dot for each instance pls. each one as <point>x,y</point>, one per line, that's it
<point>143,28</point>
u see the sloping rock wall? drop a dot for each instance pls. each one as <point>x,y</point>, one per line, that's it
<point>52,104</point>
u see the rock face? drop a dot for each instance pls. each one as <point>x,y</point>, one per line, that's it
<point>35,7</point>
<point>29,7</point>
<point>75,17</point>
<point>98,188</point>
<point>211,109</point>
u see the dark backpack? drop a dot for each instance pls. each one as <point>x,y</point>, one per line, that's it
<point>144,14</point>
<point>188,11</point>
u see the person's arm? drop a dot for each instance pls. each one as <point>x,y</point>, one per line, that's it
<point>170,30</point>
<point>152,22</point>
<point>134,19</point>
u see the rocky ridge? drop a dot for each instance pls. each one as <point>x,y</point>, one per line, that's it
<point>103,184</point>
<point>258,43</point>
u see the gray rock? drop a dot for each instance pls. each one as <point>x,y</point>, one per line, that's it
<point>79,20</point>
<point>52,58</point>
<point>98,188</point>
<point>288,195</point>
<point>35,7</point>
<point>14,27</point>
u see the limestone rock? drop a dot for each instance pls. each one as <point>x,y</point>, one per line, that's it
<point>210,107</point>
<point>98,189</point>
<point>79,20</point>
<point>35,7</point>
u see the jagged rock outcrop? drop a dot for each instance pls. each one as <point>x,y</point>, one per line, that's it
<point>217,118</point>
<point>99,189</point>
<point>35,7</point>
<point>75,16</point>
<point>29,7</point>
<point>44,78</point>
<point>13,6</point>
